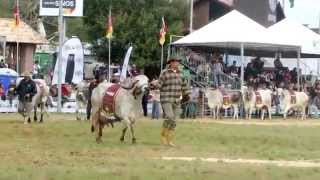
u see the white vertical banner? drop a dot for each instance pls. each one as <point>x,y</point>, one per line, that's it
<point>125,64</point>
<point>72,62</point>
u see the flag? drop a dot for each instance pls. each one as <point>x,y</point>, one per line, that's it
<point>109,26</point>
<point>16,14</point>
<point>291,3</point>
<point>163,32</point>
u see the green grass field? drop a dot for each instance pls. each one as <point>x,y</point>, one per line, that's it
<point>63,148</point>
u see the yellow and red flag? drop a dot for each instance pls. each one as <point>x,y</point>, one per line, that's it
<point>163,32</point>
<point>109,26</point>
<point>16,14</point>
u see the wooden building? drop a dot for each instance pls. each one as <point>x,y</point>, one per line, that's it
<point>23,38</point>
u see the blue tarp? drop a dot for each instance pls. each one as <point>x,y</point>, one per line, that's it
<point>6,76</point>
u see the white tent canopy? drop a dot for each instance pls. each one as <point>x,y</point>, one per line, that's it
<point>235,30</point>
<point>290,32</point>
<point>232,30</point>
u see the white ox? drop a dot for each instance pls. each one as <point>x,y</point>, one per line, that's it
<point>251,101</point>
<point>38,99</point>
<point>300,102</point>
<point>216,101</point>
<point>128,106</point>
<point>82,95</point>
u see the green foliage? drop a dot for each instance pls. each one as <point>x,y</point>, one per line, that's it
<point>134,21</point>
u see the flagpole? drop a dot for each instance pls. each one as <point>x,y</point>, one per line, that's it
<point>161,58</point>
<point>109,62</point>
<point>18,17</point>
<point>61,32</point>
<point>191,17</point>
<point>109,46</point>
<point>17,58</point>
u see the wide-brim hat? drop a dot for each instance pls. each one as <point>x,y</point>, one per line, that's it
<point>24,74</point>
<point>174,58</point>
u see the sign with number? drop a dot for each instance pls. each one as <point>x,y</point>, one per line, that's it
<point>71,8</point>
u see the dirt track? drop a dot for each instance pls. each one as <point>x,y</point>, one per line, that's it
<point>281,163</point>
<point>277,122</point>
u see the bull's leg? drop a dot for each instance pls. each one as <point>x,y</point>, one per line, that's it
<point>262,113</point>
<point>249,113</point>
<point>35,118</point>
<point>218,112</point>
<point>41,112</point>
<point>124,130</point>
<point>235,112</point>
<point>286,109</point>
<point>213,111</point>
<point>134,140</point>
<point>269,112</point>
<point>303,113</point>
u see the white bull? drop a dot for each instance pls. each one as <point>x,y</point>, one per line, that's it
<point>82,95</point>
<point>127,103</point>
<point>251,102</point>
<point>300,103</point>
<point>39,99</point>
<point>215,101</point>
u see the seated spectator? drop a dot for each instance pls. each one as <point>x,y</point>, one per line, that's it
<point>277,64</point>
<point>258,64</point>
<point>233,69</point>
<point>134,71</point>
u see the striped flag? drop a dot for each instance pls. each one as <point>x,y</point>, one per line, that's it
<point>163,32</point>
<point>109,26</point>
<point>16,14</point>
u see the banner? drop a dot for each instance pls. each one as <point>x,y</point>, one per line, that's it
<point>71,8</point>
<point>125,65</point>
<point>72,62</point>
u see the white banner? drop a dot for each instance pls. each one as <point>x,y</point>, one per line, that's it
<point>72,62</point>
<point>71,8</point>
<point>125,65</point>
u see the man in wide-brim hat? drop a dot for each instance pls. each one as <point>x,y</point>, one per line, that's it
<point>26,90</point>
<point>172,87</point>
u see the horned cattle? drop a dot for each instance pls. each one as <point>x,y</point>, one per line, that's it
<point>125,105</point>
<point>38,100</point>
<point>293,100</point>
<point>260,99</point>
<point>218,99</point>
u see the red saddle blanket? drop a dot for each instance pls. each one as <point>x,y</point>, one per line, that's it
<point>293,98</point>
<point>258,97</point>
<point>110,96</point>
<point>226,99</point>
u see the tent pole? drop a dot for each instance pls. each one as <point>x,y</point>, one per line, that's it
<point>242,65</point>
<point>298,67</point>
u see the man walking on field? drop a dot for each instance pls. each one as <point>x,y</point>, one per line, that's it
<point>172,87</point>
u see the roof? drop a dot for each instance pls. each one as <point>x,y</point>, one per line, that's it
<point>232,30</point>
<point>288,31</point>
<point>22,34</point>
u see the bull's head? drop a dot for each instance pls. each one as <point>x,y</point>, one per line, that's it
<point>141,85</point>
<point>138,85</point>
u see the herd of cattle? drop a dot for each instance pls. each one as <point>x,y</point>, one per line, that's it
<point>260,99</point>
<point>114,102</point>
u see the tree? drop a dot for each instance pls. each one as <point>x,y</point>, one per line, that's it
<point>134,21</point>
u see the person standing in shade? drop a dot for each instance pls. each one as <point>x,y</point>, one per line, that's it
<point>172,88</point>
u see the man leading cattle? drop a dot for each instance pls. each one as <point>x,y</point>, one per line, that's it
<point>26,90</point>
<point>172,87</point>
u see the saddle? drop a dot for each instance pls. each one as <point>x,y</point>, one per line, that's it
<point>258,97</point>
<point>226,97</point>
<point>293,97</point>
<point>110,96</point>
